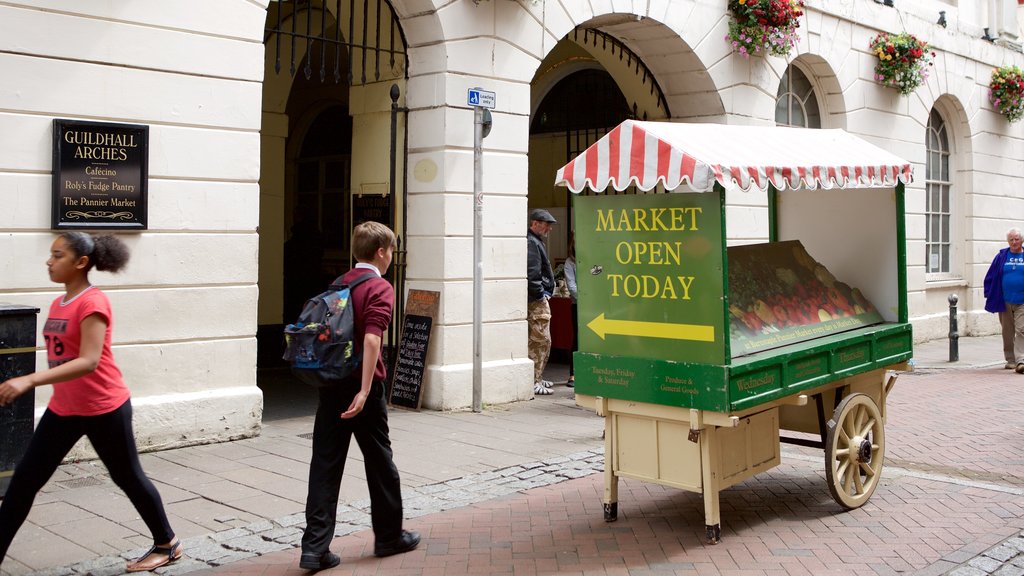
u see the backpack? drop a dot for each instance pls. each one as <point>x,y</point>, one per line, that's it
<point>319,345</point>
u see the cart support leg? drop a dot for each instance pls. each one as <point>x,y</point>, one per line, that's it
<point>611,481</point>
<point>710,482</point>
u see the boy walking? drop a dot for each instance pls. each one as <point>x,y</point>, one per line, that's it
<point>357,407</point>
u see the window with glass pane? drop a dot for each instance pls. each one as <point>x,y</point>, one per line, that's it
<point>796,103</point>
<point>937,197</point>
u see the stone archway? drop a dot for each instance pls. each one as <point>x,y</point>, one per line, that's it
<point>353,75</point>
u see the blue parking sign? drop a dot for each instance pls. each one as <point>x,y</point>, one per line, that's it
<point>482,98</point>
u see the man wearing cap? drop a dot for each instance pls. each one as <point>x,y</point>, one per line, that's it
<point>540,285</point>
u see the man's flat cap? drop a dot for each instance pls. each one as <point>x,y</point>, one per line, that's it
<point>542,215</point>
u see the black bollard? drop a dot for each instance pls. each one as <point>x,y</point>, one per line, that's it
<point>954,337</point>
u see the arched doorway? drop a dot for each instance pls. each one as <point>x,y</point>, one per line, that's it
<point>589,83</point>
<point>317,246</point>
<point>330,69</point>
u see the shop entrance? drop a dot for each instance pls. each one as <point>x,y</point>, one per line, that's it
<point>324,166</point>
<point>579,94</point>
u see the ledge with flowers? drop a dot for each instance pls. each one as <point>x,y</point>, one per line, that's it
<point>764,26</point>
<point>1006,92</point>
<point>904,61</point>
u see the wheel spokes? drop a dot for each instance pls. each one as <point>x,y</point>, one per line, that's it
<point>841,470</point>
<point>868,470</point>
<point>844,438</point>
<point>858,481</point>
<point>867,428</point>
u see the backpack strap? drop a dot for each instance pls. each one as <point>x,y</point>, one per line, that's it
<point>351,285</point>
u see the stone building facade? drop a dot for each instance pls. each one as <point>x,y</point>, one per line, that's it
<point>246,155</point>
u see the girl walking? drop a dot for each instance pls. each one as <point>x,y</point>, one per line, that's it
<point>89,397</point>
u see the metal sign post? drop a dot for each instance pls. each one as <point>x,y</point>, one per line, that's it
<point>481,101</point>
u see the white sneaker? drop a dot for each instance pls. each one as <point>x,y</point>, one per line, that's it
<point>540,390</point>
<point>547,383</point>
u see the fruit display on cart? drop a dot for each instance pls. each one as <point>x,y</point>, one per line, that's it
<point>779,295</point>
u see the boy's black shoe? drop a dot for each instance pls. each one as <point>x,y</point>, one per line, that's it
<point>315,562</point>
<point>407,541</point>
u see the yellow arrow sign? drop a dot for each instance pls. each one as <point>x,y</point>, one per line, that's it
<point>602,326</point>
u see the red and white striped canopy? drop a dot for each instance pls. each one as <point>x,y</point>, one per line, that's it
<point>748,157</point>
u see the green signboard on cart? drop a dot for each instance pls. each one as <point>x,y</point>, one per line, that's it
<point>650,275</point>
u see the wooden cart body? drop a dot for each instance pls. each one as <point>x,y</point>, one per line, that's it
<point>685,403</point>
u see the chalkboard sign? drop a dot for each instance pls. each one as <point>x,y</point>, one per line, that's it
<point>407,380</point>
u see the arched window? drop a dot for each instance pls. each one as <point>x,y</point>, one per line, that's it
<point>938,200</point>
<point>796,104</point>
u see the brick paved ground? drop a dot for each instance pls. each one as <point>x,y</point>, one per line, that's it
<point>951,501</point>
<point>953,490</point>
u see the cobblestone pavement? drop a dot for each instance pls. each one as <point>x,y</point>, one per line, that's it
<point>1005,559</point>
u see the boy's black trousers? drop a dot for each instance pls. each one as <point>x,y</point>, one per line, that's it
<point>331,438</point>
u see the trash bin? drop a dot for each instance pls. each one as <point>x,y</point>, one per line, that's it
<point>17,357</point>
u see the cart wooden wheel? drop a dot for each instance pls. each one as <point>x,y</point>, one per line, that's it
<point>854,451</point>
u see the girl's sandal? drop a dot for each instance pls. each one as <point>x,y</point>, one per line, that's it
<point>156,557</point>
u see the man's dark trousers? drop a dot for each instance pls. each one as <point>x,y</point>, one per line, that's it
<point>331,437</point>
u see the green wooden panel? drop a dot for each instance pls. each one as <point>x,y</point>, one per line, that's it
<point>817,362</point>
<point>649,272</point>
<point>749,381</point>
<point>654,381</point>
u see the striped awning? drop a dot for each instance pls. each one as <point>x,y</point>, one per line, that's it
<point>744,157</point>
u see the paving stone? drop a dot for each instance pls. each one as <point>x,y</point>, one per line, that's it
<point>1017,542</point>
<point>346,529</point>
<point>103,566</point>
<point>487,476</point>
<point>260,526</point>
<point>459,482</point>
<point>1001,553</point>
<point>183,566</point>
<point>207,553</point>
<point>230,534</point>
<point>967,571</point>
<point>255,545</point>
<point>56,571</point>
<point>986,564</point>
<point>511,471</point>
<point>292,520</point>
<point>229,557</point>
<point>1009,570</point>
<point>289,536</point>
<point>529,474</point>
<point>556,461</point>
<point>432,488</point>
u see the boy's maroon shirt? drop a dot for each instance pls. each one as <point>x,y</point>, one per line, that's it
<point>374,300</point>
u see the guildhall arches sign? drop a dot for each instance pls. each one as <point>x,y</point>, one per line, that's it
<point>100,175</point>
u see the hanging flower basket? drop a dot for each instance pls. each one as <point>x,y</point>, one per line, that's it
<point>764,26</point>
<point>1006,92</point>
<point>903,61</point>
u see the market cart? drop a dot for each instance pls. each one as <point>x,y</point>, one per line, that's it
<point>697,354</point>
